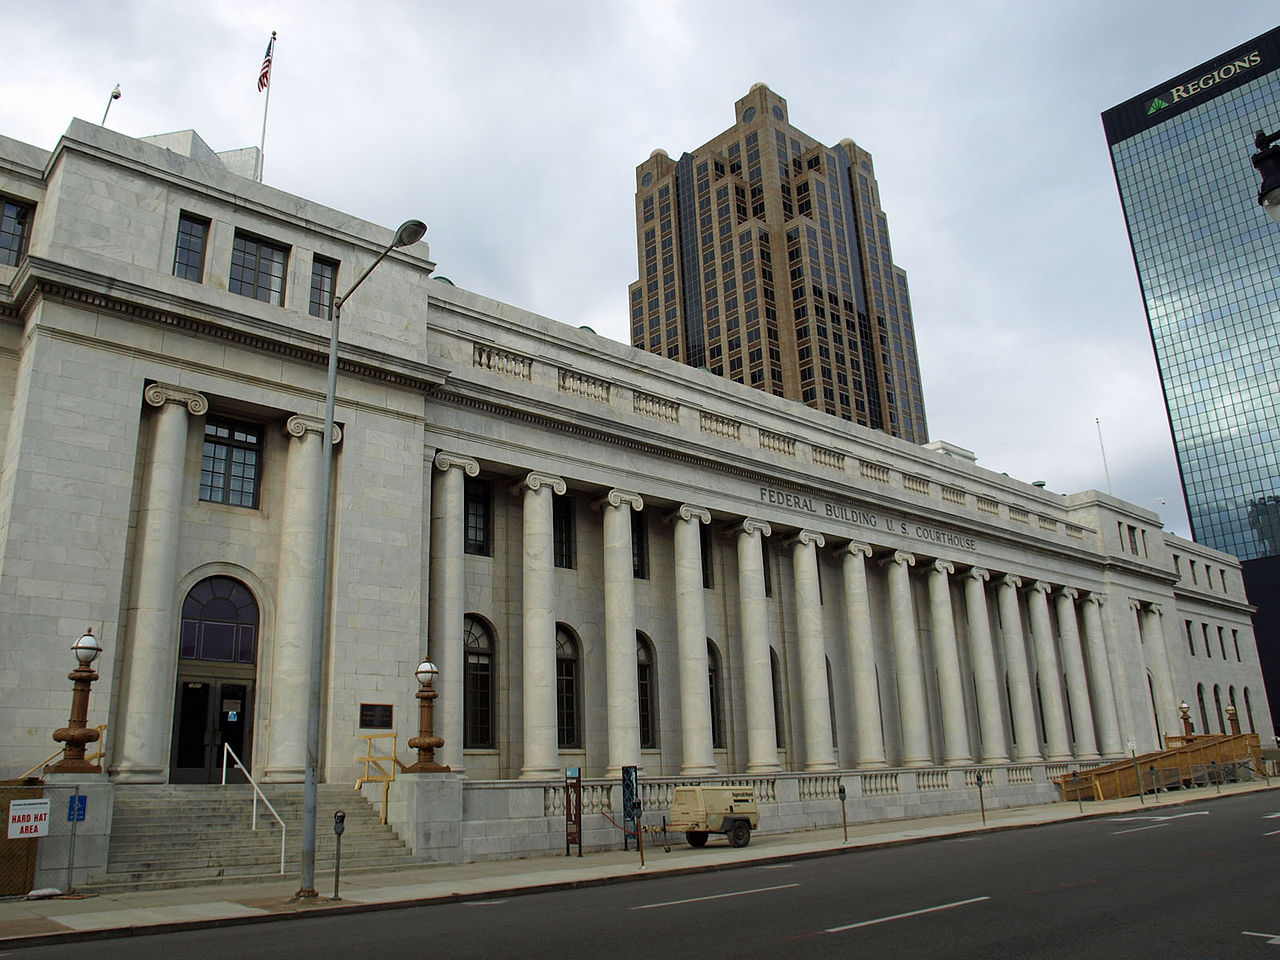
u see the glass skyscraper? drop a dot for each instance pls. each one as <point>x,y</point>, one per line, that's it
<point>1208,260</point>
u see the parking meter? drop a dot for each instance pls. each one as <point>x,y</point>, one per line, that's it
<point>339,825</point>
<point>842,793</point>
<point>339,822</point>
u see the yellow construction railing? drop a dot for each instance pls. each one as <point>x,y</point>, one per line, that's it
<point>90,757</point>
<point>1187,761</point>
<point>379,768</point>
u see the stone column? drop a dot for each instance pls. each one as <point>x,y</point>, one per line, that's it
<point>1100,677</point>
<point>295,602</point>
<point>912,705</point>
<point>447,605</point>
<point>815,702</point>
<point>1057,736</point>
<point>862,657</point>
<point>762,742</point>
<point>1157,655</point>
<point>621,694</point>
<point>1023,709</point>
<point>152,647</point>
<point>541,746</point>
<point>946,659</point>
<point>995,748</point>
<point>691,630</point>
<point>1073,666</point>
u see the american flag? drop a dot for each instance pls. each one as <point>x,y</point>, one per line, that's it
<point>264,75</point>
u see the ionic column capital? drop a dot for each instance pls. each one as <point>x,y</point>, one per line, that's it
<point>1098,599</point>
<point>856,548</point>
<point>1010,580</point>
<point>750,525</point>
<point>807,537</point>
<point>449,461</point>
<point>536,481</point>
<point>688,512</point>
<point>158,394</point>
<point>1040,586</point>
<point>942,566</point>
<point>299,425</point>
<point>616,498</point>
<point>1069,593</point>
<point>899,556</point>
<point>977,573</point>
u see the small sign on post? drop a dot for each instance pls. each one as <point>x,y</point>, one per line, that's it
<point>28,818</point>
<point>77,807</point>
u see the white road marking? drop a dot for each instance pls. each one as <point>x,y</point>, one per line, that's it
<point>902,916</point>
<point>1271,834</point>
<point>717,896</point>
<point>776,866</point>
<point>1271,937</point>
<point>1271,816</point>
<point>1154,826</point>
<point>483,903</point>
<point>1172,816</point>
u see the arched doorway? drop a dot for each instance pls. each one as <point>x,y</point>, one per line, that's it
<point>217,664</point>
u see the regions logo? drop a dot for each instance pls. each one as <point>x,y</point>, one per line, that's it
<point>1156,105</point>
<point>1199,85</point>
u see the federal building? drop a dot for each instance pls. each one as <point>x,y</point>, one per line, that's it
<point>614,558</point>
<point>1208,263</point>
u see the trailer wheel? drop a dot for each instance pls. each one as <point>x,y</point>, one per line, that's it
<point>740,833</point>
<point>696,838</point>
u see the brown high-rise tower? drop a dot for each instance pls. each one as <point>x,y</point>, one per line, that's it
<point>764,257</point>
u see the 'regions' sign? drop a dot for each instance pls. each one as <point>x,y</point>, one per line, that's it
<point>1220,73</point>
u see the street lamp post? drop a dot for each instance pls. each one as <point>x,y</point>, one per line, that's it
<point>409,232</point>
<point>1267,161</point>
<point>77,734</point>
<point>426,741</point>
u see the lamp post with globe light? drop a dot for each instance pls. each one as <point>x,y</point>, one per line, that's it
<point>77,734</point>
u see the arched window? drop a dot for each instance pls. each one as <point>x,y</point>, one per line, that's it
<point>1248,709</point>
<point>713,683</point>
<point>479,685</point>
<point>219,622</point>
<point>831,707</point>
<point>568,690</point>
<point>776,675</point>
<point>1217,703</point>
<point>1155,714</point>
<point>1204,714</point>
<point>645,678</point>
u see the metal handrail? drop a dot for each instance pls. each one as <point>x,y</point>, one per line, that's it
<point>91,758</point>
<point>385,775</point>
<point>257,793</point>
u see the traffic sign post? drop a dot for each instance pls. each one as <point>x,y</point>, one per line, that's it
<point>77,807</point>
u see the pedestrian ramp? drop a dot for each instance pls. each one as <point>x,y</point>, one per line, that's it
<point>1187,761</point>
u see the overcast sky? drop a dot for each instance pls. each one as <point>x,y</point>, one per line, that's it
<point>514,128</point>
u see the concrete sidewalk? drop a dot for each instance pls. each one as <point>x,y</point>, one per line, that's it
<point>31,922</point>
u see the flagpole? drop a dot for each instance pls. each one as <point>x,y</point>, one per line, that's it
<point>262,145</point>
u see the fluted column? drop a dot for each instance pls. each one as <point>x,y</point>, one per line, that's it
<point>995,748</point>
<point>1057,736</point>
<point>912,705</point>
<point>295,602</point>
<point>815,702</point>
<point>762,743</point>
<point>1157,654</point>
<point>691,630</point>
<point>152,646</point>
<point>447,605</point>
<point>862,656</point>
<point>1073,667</point>
<point>1104,699</point>
<point>541,748</point>
<point>620,632</point>
<point>1026,745</point>
<point>946,659</point>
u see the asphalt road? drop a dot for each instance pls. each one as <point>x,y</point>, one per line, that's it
<point>1199,881</point>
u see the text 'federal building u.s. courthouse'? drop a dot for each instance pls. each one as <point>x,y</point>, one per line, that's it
<point>613,558</point>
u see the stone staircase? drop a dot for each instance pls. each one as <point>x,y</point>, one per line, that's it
<point>183,835</point>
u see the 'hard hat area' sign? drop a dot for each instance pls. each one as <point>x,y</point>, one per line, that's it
<point>28,818</point>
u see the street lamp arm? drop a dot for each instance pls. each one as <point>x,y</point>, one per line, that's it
<point>409,232</point>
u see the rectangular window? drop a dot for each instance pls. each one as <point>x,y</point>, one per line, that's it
<point>478,499</point>
<point>188,255</point>
<point>258,269</point>
<point>562,530</point>
<point>639,546</point>
<point>324,276</point>
<point>231,464</point>
<point>15,230</point>
<point>704,536</point>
